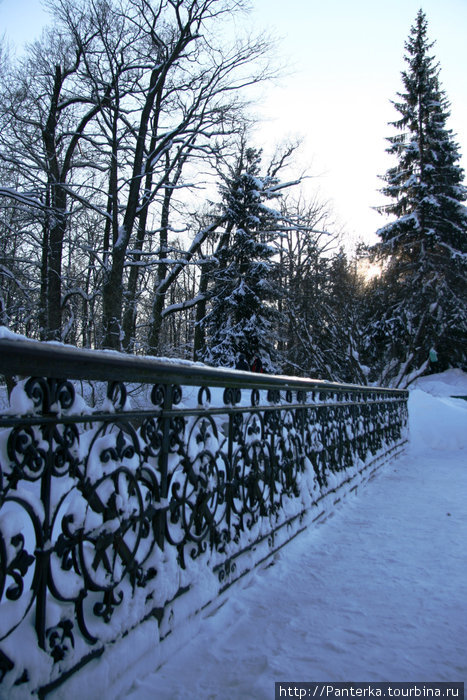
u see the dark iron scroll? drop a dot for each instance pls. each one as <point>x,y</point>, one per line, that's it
<point>123,478</point>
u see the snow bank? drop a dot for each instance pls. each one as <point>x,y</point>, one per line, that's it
<point>453,382</point>
<point>437,422</point>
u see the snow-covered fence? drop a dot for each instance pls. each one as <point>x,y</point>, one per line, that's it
<point>135,490</point>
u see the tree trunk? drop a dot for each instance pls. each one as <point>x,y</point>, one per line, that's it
<point>199,340</point>
<point>54,268</point>
<point>160,292</point>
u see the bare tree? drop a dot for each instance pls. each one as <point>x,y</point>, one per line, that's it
<point>305,250</point>
<point>113,118</point>
<point>190,105</point>
<point>46,112</point>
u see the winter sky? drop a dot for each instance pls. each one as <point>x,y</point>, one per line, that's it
<point>343,60</point>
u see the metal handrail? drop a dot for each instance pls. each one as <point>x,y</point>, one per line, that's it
<point>26,357</point>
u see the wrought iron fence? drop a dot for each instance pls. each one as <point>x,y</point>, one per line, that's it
<point>126,483</point>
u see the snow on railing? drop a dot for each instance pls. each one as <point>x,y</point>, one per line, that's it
<point>135,489</point>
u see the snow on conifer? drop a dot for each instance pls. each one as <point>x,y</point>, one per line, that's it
<point>419,316</point>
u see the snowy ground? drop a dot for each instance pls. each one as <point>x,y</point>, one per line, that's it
<point>377,593</point>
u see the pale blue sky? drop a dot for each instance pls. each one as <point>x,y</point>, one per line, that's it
<point>344,59</point>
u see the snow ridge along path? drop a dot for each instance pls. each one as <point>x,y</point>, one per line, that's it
<point>377,593</point>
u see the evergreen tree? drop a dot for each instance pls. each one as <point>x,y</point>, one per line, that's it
<point>242,288</point>
<point>419,321</point>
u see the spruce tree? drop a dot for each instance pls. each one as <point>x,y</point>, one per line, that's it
<point>242,290</point>
<point>419,323</point>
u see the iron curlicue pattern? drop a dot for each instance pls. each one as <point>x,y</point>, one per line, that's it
<point>108,515</point>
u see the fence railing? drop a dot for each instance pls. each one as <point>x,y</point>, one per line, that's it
<point>128,484</point>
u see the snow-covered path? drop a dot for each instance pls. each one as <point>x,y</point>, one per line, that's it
<point>379,592</point>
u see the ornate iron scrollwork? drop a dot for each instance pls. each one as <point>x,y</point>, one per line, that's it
<point>105,514</point>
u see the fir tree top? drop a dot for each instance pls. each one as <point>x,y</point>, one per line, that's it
<point>427,182</point>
